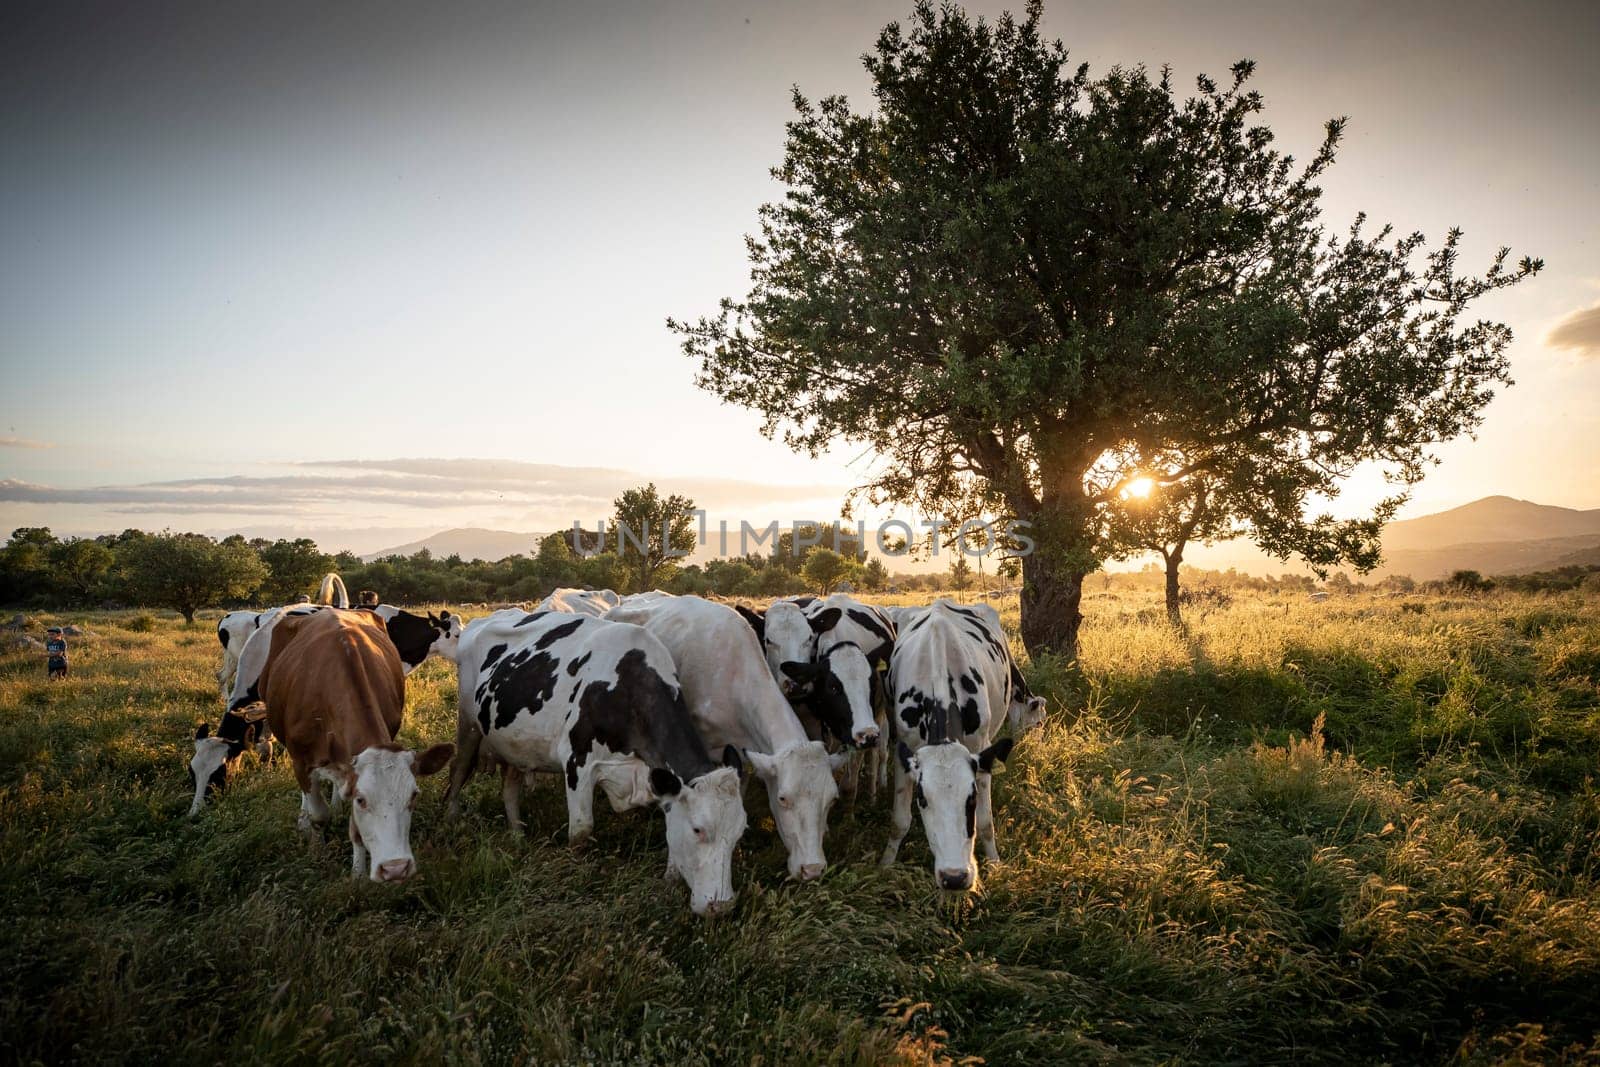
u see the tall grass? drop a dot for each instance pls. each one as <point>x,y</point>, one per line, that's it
<point>1336,832</point>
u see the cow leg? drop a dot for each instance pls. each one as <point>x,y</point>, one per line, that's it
<point>986,818</point>
<point>880,756</point>
<point>468,738</point>
<point>580,807</point>
<point>314,814</point>
<point>900,819</point>
<point>511,795</point>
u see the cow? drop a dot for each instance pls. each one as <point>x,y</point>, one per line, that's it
<point>599,701</point>
<point>734,701</point>
<point>594,602</point>
<point>217,755</point>
<point>950,675</point>
<point>826,655</point>
<point>233,630</point>
<point>414,637</point>
<point>1024,710</point>
<point>335,694</point>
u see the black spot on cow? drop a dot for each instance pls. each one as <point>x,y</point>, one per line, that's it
<point>872,624</point>
<point>522,682</point>
<point>532,617</point>
<point>577,665</point>
<point>918,796</point>
<point>641,715</point>
<point>1019,686</point>
<point>222,635</point>
<point>972,813</point>
<point>804,602</point>
<point>971,721</point>
<point>494,654</point>
<point>556,633</point>
<point>968,683</point>
<point>411,635</point>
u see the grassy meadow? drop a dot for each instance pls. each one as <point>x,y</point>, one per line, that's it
<point>1362,830</point>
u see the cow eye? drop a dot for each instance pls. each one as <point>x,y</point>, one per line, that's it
<point>700,832</point>
<point>784,801</point>
<point>361,801</point>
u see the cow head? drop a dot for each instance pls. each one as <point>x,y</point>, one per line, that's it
<point>705,819</point>
<point>380,785</point>
<point>944,779</point>
<point>1026,712</point>
<point>801,789</point>
<point>789,643</point>
<point>216,755</point>
<point>840,683</point>
<point>447,634</point>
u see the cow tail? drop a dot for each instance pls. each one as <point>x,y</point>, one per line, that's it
<point>333,592</point>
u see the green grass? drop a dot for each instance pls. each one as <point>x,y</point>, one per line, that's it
<point>1352,831</point>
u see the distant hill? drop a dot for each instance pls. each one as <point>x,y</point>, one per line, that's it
<point>1492,519</point>
<point>468,543</point>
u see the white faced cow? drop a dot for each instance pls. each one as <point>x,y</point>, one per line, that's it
<point>600,702</point>
<point>335,694</point>
<point>734,701</point>
<point>950,676</point>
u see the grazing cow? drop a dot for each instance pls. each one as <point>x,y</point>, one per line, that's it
<point>1024,710</point>
<point>734,701</point>
<point>950,676</point>
<point>216,755</point>
<point>233,630</point>
<point>594,602</point>
<point>599,701</point>
<point>335,694</point>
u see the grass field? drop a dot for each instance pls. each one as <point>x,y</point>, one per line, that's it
<point>1352,831</point>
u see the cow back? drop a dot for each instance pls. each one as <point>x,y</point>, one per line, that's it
<point>333,672</point>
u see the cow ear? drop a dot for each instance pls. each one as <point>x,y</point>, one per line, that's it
<point>202,731</point>
<point>663,783</point>
<point>907,760</point>
<point>800,672</point>
<point>764,764</point>
<point>431,760</point>
<point>825,620</point>
<point>998,752</point>
<point>757,622</point>
<point>730,759</point>
<point>837,760</point>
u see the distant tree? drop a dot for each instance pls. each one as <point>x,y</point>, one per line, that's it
<point>188,572</point>
<point>1009,568</point>
<point>1340,584</point>
<point>960,574</point>
<point>1166,518</point>
<point>874,575</point>
<point>294,567</point>
<point>25,563</point>
<point>646,526</point>
<point>1005,274</point>
<point>1398,583</point>
<point>794,546</point>
<point>825,569</point>
<point>1469,582</point>
<point>79,566</point>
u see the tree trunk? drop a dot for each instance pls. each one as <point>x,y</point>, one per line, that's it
<point>1050,600</point>
<point>188,616</point>
<point>1174,610</point>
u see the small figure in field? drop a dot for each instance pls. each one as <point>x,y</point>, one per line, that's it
<point>367,598</point>
<point>55,651</point>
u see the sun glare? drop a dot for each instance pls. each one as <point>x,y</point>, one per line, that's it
<point>1139,488</point>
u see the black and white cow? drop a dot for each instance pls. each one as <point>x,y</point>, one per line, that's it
<point>217,755</point>
<point>599,701</point>
<point>233,630</point>
<point>950,676</point>
<point>734,701</point>
<point>415,638</point>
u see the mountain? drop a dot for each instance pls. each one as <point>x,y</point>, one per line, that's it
<point>468,543</point>
<point>1492,519</point>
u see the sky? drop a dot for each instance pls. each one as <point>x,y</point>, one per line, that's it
<point>368,271</point>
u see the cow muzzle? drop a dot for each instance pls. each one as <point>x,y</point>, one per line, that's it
<point>715,908</point>
<point>957,881</point>
<point>866,738</point>
<point>396,870</point>
<point>810,872</point>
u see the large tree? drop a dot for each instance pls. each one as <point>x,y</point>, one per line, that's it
<point>189,571</point>
<point>651,531</point>
<point>1008,274</point>
<point>295,567</point>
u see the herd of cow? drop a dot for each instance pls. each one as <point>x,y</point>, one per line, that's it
<point>654,699</point>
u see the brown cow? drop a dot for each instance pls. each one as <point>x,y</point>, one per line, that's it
<point>335,693</point>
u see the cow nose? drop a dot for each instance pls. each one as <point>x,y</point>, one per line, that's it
<point>955,880</point>
<point>396,870</point>
<point>810,871</point>
<point>718,907</point>
<point>867,739</point>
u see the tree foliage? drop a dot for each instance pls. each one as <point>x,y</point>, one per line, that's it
<point>187,572</point>
<point>1016,283</point>
<point>650,531</point>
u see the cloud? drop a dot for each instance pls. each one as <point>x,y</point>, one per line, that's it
<point>1579,332</point>
<point>23,442</point>
<point>369,489</point>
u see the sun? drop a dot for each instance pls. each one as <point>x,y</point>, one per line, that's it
<point>1139,489</point>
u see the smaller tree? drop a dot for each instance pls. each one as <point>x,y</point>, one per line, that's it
<point>294,566</point>
<point>1166,519</point>
<point>960,574</point>
<point>79,566</point>
<point>874,575</point>
<point>1470,582</point>
<point>187,571</point>
<point>651,531</point>
<point>825,569</point>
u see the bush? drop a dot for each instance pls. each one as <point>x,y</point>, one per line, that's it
<point>141,624</point>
